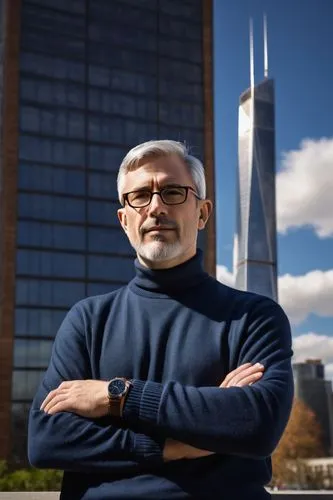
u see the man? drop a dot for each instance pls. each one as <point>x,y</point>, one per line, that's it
<point>175,386</point>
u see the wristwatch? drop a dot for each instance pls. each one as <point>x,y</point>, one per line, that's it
<point>117,391</point>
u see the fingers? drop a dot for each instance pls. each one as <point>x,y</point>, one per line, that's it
<point>58,403</point>
<point>63,387</point>
<point>243,375</point>
<point>234,373</point>
<point>251,379</point>
<point>60,391</point>
<point>48,399</point>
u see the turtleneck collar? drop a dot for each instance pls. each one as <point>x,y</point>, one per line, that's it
<point>170,281</point>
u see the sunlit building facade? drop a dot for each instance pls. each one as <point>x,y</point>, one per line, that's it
<point>255,254</point>
<point>81,83</point>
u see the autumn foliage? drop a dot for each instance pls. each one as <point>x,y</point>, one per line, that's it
<point>301,439</point>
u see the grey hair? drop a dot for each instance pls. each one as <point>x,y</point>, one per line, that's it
<point>156,149</point>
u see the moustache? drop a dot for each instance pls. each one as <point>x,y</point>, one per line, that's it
<point>165,223</point>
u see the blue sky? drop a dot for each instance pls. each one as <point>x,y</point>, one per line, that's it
<point>300,39</point>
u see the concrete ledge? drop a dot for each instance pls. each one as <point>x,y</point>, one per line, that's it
<point>287,495</point>
<point>29,495</point>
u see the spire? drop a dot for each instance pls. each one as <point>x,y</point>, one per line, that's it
<point>265,48</point>
<point>251,57</point>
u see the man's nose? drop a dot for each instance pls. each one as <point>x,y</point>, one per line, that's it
<point>156,205</point>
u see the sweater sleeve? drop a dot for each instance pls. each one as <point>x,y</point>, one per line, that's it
<point>71,442</point>
<point>247,421</point>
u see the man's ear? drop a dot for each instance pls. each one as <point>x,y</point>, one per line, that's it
<point>205,211</point>
<point>122,218</point>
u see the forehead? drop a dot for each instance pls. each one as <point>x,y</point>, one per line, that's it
<point>158,171</point>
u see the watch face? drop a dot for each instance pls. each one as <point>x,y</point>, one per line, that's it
<point>116,387</point>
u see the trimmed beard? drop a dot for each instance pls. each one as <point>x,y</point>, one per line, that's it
<point>159,251</point>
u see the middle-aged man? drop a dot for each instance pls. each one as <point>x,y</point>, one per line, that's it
<point>175,386</point>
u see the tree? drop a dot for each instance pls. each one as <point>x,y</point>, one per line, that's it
<point>302,439</point>
<point>29,479</point>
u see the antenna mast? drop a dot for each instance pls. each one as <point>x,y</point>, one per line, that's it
<point>251,57</point>
<point>265,48</point>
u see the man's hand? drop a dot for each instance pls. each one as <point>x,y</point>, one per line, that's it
<point>88,398</point>
<point>176,450</point>
<point>246,374</point>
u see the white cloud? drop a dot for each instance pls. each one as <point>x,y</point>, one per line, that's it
<point>304,188</point>
<point>314,346</point>
<point>298,295</point>
<point>224,275</point>
<point>306,294</point>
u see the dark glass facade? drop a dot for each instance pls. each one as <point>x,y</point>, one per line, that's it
<point>255,242</point>
<point>316,392</point>
<point>95,78</point>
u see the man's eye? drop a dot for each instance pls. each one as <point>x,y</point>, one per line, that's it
<point>173,192</point>
<point>140,195</point>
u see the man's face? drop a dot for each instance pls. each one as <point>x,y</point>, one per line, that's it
<point>163,235</point>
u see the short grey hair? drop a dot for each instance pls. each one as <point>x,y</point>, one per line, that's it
<point>156,149</point>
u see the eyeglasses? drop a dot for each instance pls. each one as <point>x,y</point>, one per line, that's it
<point>175,195</point>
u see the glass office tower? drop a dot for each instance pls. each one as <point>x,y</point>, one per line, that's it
<point>316,392</point>
<point>82,82</point>
<point>255,254</point>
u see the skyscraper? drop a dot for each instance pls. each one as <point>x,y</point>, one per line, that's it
<point>83,81</point>
<point>255,255</point>
<point>316,392</point>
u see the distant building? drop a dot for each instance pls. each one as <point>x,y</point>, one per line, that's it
<point>81,82</point>
<point>255,253</point>
<point>316,392</point>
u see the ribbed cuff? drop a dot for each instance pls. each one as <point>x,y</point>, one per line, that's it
<point>150,402</point>
<point>142,402</point>
<point>131,410</point>
<point>149,448</point>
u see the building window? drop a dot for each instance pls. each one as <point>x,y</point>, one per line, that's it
<point>122,104</point>
<point>32,353</point>
<point>52,67</point>
<point>45,235</point>
<point>74,6</point>
<point>55,93</point>
<point>103,213</point>
<point>117,13</point>
<point>60,23</point>
<point>47,293</point>
<point>38,322</point>
<point>49,265</point>
<point>51,179</point>
<point>40,40</point>
<point>191,11</point>
<point>122,80</point>
<point>46,207</point>
<point>109,240</point>
<point>122,58</point>
<point>42,149</point>
<point>54,122</point>
<point>110,268</point>
<point>181,114</point>
<point>103,186</point>
<point>106,157</point>
<point>179,28</point>
<point>120,34</point>
<point>25,384</point>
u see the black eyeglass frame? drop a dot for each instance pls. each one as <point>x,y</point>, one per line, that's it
<point>187,189</point>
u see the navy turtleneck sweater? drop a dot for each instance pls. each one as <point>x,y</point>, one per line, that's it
<point>176,333</point>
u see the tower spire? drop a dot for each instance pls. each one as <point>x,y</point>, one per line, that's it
<point>265,48</point>
<point>251,57</point>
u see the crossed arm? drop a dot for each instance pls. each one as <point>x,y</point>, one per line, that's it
<point>89,399</point>
<point>246,415</point>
